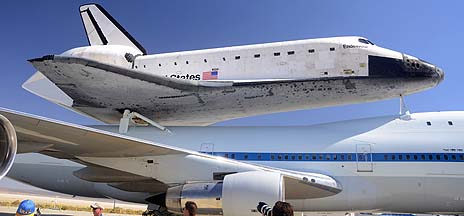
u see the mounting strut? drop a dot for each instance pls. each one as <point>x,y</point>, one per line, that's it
<point>404,110</point>
<point>128,117</point>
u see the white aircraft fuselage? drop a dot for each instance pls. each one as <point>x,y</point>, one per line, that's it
<point>382,164</point>
<point>202,87</point>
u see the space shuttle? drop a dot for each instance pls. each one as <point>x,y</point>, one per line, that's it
<point>115,79</point>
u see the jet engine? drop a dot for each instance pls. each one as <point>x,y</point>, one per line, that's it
<point>237,194</point>
<point>8,145</point>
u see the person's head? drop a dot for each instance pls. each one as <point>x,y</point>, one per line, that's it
<point>282,209</point>
<point>190,209</point>
<point>97,209</point>
<point>26,208</point>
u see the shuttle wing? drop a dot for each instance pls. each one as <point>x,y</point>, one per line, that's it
<point>129,154</point>
<point>64,70</point>
<point>103,91</point>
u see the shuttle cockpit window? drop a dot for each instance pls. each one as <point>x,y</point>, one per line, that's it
<point>365,41</point>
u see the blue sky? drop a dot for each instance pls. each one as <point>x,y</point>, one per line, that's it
<point>430,30</point>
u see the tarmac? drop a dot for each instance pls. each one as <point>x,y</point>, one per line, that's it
<point>10,211</point>
<point>11,191</point>
<point>70,201</point>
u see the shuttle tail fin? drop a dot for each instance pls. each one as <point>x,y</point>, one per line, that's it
<point>102,29</point>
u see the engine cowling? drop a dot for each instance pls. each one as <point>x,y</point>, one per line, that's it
<point>8,145</point>
<point>238,194</point>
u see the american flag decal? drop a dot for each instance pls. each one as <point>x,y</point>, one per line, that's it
<point>210,75</point>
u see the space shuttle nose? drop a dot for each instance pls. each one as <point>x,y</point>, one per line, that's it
<point>428,69</point>
<point>408,67</point>
<point>415,67</point>
<point>440,73</point>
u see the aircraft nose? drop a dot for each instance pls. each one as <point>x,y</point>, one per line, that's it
<point>440,73</point>
<point>421,68</point>
<point>407,67</point>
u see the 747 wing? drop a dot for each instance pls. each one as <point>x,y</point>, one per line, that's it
<point>165,164</point>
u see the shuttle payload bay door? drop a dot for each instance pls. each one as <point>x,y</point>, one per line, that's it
<point>364,158</point>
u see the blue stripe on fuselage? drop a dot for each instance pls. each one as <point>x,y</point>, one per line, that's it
<point>334,157</point>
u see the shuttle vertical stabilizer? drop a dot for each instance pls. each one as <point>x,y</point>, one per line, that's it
<point>102,29</point>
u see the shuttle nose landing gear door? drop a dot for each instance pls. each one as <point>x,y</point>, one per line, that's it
<point>364,157</point>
